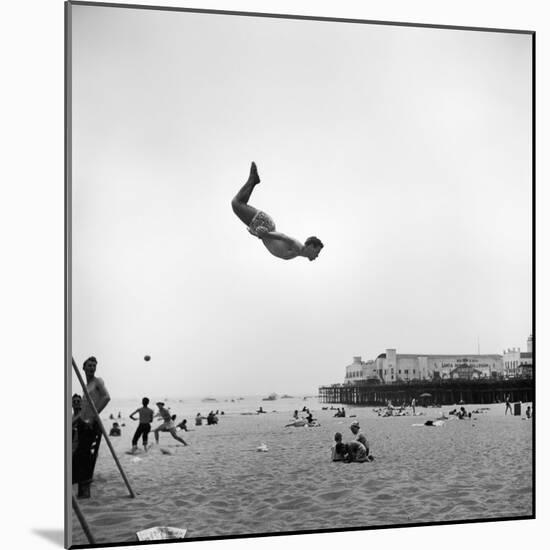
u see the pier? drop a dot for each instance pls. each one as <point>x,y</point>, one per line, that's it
<point>441,392</point>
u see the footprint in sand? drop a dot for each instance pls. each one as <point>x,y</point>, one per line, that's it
<point>334,495</point>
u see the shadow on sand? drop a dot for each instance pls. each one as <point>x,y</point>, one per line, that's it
<point>53,535</point>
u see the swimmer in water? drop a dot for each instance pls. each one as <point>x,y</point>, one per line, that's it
<point>262,226</point>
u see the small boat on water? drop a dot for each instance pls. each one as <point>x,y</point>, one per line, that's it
<point>285,396</point>
<point>209,400</point>
<point>270,397</point>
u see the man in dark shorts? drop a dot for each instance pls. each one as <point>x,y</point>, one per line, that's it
<point>145,419</point>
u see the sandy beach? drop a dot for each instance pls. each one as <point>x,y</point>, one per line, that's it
<point>221,485</point>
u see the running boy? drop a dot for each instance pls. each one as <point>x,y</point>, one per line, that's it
<point>168,424</point>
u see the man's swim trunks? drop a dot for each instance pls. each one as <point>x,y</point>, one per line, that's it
<point>167,426</point>
<point>261,219</point>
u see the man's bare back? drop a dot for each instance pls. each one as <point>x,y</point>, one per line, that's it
<point>263,227</point>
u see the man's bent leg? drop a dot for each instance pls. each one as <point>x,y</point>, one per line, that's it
<point>175,436</point>
<point>240,205</point>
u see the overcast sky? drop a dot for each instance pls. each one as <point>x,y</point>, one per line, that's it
<point>406,150</point>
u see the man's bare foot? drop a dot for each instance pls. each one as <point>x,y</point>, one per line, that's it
<point>254,178</point>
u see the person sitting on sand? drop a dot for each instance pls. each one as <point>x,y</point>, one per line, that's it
<point>339,449</point>
<point>183,425</point>
<point>356,452</point>
<point>528,412</point>
<point>359,436</point>
<point>262,226</point>
<point>295,415</point>
<point>144,427</point>
<point>115,430</point>
<point>167,425</point>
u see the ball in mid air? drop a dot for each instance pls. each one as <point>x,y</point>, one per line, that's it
<point>147,358</point>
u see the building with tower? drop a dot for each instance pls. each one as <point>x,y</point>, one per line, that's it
<point>518,363</point>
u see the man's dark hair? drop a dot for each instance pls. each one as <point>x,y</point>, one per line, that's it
<point>145,401</point>
<point>76,396</point>
<point>91,359</point>
<point>315,242</point>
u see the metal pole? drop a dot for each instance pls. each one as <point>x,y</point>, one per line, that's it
<point>103,431</point>
<point>83,522</point>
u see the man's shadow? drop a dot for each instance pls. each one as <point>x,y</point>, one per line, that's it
<point>57,536</point>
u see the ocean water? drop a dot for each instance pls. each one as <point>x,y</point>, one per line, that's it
<point>189,407</point>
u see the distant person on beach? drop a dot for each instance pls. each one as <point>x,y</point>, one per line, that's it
<point>167,425</point>
<point>183,425</point>
<point>359,436</point>
<point>198,419</point>
<point>528,412</point>
<point>262,226</point>
<point>88,431</point>
<point>115,430</point>
<point>508,405</point>
<point>295,415</point>
<point>144,427</point>
<point>413,406</point>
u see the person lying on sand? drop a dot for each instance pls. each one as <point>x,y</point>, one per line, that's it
<point>298,423</point>
<point>167,425</point>
<point>261,225</point>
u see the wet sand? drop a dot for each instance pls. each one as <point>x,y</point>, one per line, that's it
<point>221,485</point>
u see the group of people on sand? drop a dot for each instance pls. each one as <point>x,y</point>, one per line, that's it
<point>146,416</point>
<point>87,432</point>
<point>211,418</point>
<point>357,450</point>
<point>298,421</point>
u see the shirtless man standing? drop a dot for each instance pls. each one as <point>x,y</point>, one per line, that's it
<point>88,432</point>
<point>262,226</point>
